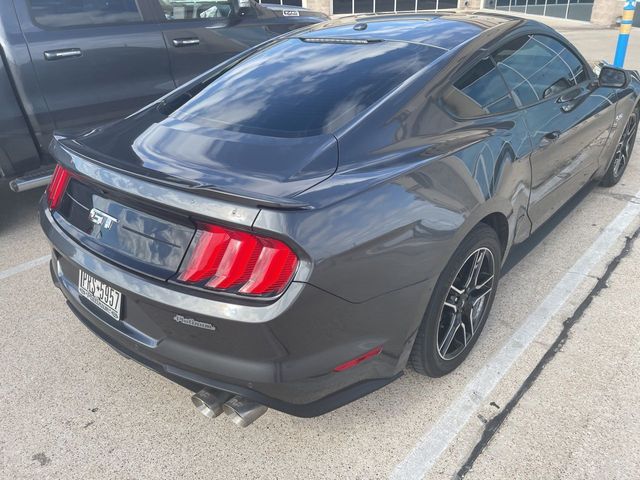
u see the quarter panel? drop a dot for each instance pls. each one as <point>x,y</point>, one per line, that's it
<point>417,197</point>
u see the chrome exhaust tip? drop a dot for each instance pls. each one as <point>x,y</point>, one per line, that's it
<point>242,411</point>
<point>209,402</point>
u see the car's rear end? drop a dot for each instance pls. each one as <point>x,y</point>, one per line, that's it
<point>182,284</point>
<point>152,221</point>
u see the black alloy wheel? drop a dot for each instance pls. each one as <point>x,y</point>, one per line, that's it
<point>623,152</point>
<point>459,305</point>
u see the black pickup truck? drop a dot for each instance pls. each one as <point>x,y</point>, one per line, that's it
<point>72,64</point>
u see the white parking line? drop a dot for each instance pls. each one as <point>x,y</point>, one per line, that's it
<point>431,445</point>
<point>9,272</point>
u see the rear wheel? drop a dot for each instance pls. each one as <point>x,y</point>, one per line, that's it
<point>459,305</point>
<point>623,152</point>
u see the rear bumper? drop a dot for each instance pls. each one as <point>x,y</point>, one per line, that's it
<point>281,355</point>
<point>195,382</point>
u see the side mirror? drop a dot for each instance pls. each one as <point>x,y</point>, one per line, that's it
<point>612,77</point>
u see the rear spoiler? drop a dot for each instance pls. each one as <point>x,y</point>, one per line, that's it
<point>217,204</point>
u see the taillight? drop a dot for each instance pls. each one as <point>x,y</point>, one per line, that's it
<point>57,186</point>
<point>221,258</point>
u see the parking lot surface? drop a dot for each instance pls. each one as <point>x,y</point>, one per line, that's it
<point>550,391</point>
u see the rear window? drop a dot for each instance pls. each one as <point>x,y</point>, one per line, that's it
<point>68,13</point>
<point>305,87</point>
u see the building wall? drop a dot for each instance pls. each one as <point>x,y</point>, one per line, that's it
<point>323,6</point>
<point>605,12</point>
<point>471,4</point>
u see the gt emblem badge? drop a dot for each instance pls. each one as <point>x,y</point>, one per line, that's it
<point>103,219</point>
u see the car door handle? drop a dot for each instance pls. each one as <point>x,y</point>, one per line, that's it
<point>186,42</point>
<point>568,97</point>
<point>571,100</point>
<point>63,53</point>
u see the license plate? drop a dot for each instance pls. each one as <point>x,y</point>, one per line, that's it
<point>103,296</point>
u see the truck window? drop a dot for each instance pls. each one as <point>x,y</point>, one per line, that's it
<point>195,9</point>
<point>68,13</point>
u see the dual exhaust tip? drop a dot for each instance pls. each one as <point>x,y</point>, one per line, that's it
<point>242,411</point>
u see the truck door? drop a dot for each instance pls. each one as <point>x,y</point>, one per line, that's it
<point>203,33</point>
<point>95,60</point>
<point>18,152</point>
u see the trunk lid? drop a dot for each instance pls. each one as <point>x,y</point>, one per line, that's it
<point>149,234</point>
<point>211,160</point>
<point>124,230</point>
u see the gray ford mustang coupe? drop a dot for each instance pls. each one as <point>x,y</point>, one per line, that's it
<point>295,226</point>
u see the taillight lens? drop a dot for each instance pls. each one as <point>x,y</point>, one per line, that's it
<point>221,258</point>
<point>57,187</point>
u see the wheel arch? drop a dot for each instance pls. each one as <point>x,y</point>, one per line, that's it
<point>499,223</point>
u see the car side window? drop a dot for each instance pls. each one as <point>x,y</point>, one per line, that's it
<point>537,67</point>
<point>480,91</point>
<point>195,9</point>
<point>573,63</point>
<point>72,13</point>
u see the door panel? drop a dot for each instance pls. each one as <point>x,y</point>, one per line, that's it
<point>17,150</point>
<point>196,46</point>
<point>200,34</point>
<point>568,137</point>
<point>92,74</point>
<point>568,117</point>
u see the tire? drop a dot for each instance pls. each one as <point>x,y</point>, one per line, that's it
<point>430,355</point>
<point>623,151</point>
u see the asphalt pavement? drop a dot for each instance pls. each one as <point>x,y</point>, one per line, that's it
<point>550,391</point>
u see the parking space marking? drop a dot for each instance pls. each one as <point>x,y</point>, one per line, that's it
<point>434,442</point>
<point>23,267</point>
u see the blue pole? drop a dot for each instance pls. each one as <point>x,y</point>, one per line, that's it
<point>625,31</point>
